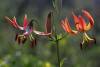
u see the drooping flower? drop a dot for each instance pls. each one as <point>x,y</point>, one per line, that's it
<point>81,26</point>
<point>85,27</point>
<point>27,29</point>
<point>48,25</point>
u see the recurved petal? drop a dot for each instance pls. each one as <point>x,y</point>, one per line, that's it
<point>15,22</point>
<point>82,23</point>
<point>12,22</point>
<point>66,26</point>
<point>41,33</point>
<point>91,20</point>
<point>25,23</point>
<point>77,22</point>
<point>48,23</point>
<point>76,19</point>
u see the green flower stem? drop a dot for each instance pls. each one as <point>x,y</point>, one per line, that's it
<point>58,56</point>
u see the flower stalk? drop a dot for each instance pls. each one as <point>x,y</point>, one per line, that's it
<point>58,56</point>
<point>57,49</point>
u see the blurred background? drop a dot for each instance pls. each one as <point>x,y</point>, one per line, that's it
<point>44,54</point>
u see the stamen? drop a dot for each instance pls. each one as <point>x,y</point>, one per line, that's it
<point>88,36</point>
<point>21,39</point>
<point>87,41</point>
<point>30,37</point>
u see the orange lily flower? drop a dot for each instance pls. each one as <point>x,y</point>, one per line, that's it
<point>80,22</point>
<point>81,26</point>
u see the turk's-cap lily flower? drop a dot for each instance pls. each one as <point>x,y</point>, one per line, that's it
<point>86,27</point>
<point>81,23</point>
<point>48,27</point>
<point>27,27</point>
<point>81,26</point>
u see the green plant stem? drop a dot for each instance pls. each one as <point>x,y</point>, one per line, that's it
<point>58,56</point>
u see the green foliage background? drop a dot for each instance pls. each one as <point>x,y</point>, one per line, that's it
<point>44,54</point>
